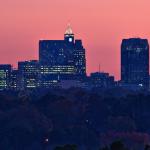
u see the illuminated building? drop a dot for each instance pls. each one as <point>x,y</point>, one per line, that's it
<point>28,74</point>
<point>135,62</point>
<point>14,80</point>
<point>61,59</point>
<point>47,77</point>
<point>5,72</point>
<point>79,59</point>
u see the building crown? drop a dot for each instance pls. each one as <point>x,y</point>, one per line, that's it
<point>69,30</point>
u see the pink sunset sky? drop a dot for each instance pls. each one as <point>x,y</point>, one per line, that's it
<point>101,24</point>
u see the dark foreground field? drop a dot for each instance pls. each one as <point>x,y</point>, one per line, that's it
<point>88,120</point>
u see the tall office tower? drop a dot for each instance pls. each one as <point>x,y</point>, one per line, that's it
<point>5,73</point>
<point>61,59</point>
<point>28,74</point>
<point>135,62</point>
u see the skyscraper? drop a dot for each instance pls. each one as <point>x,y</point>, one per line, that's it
<point>135,62</point>
<point>62,59</point>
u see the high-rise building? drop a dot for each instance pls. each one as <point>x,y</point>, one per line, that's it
<point>135,62</point>
<point>61,59</point>
<point>5,73</point>
<point>28,74</point>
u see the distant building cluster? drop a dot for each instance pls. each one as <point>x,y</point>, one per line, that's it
<point>62,64</point>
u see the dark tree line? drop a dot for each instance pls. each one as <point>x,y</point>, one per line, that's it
<point>70,116</point>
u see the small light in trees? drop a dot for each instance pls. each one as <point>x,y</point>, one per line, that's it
<point>46,140</point>
<point>141,85</point>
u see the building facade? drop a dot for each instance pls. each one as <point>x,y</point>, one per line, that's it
<point>61,59</point>
<point>135,62</point>
<point>79,59</point>
<point>5,76</point>
<point>14,79</point>
<point>28,74</point>
<point>101,80</point>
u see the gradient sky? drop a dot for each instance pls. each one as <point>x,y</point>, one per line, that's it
<point>101,24</point>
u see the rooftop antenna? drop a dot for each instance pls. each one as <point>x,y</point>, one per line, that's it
<point>69,22</point>
<point>99,68</point>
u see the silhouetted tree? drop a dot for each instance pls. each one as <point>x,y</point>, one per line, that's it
<point>117,145</point>
<point>147,147</point>
<point>104,148</point>
<point>66,147</point>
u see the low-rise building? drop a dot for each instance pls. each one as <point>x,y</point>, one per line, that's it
<point>5,74</point>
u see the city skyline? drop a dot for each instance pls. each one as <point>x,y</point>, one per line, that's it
<point>101,26</point>
<point>61,64</point>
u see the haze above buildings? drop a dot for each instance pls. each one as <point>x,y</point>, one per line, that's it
<point>101,24</point>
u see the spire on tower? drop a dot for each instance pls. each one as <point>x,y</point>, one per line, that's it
<point>69,30</point>
<point>69,36</point>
